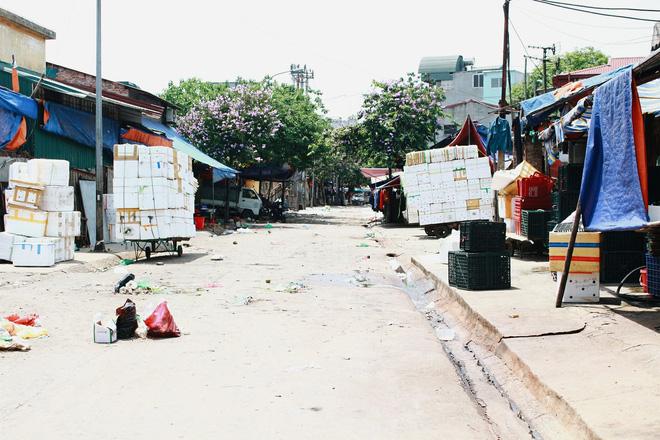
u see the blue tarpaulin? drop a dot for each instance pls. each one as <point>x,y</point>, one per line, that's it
<point>611,196</point>
<point>17,103</point>
<point>9,124</point>
<point>79,126</point>
<point>220,171</point>
<point>537,109</point>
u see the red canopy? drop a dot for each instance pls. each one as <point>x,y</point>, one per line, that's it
<point>376,172</point>
<point>470,136</point>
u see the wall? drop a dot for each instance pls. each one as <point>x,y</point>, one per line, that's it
<point>29,48</point>
<point>492,95</point>
<point>478,113</point>
<point>462,89</point>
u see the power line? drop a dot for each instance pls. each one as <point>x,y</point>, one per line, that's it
<point>604,8</point>
<point>524,46</point>
<point>546,2</point>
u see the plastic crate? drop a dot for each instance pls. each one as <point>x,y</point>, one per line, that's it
<point>526,203</point>
<point>482,236</point>
<point>551,225</point>
<point>653,242</point>
<point>563,204</point>
<point>570,177</point>
<point>622,241</point>
<point>653,274</point>
<point>534,224</point>
<point>479,270</point>
<point>616,265</point>
<point>536,186</point>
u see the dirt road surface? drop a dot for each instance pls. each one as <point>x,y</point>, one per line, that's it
<point>301,331</point>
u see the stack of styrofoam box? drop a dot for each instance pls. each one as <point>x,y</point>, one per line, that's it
<point>40,224</point>
<point>448,185</point>
<point>583,283</point>
<point>153,194</point>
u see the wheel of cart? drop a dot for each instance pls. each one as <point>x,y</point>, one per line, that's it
<point>442,230</point>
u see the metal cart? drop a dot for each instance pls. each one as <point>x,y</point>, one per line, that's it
<point>157,246</point>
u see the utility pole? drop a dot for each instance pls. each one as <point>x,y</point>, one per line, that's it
<point>99,135</point>
<point>505,57</point>
<point>545,60</point>
<point>301,76</point>
<point>525,78</point>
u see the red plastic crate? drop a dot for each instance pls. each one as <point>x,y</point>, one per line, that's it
<point>530,204</point>
<point>536,186</point>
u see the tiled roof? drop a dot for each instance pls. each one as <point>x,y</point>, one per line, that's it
<point>612,64</point>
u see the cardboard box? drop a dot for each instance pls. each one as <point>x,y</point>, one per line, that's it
<point>33,252</point>
<point>49,171</point>
<point>586,254</point>
<point>6,244</point>
<point>57,198</point>
<point>27,195</point>
<point>25,221</point>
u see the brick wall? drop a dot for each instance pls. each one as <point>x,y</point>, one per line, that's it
<point>86,81</point>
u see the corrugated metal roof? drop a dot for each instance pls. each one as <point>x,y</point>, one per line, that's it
<point>443,64</point>
<point>612,64</point>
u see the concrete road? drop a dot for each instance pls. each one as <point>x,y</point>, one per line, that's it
<point>341,353</point>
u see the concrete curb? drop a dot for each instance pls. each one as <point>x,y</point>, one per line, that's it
<point>484,333</point>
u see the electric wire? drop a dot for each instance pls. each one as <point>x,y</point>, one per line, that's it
<point>605,8</point>
<point>548,3</point>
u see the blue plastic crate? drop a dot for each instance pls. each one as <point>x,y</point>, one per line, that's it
<point>653,274</point>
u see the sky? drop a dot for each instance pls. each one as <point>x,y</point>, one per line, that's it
<point>347,43</point>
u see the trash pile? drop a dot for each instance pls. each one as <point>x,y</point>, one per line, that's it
<point>154,194</point>
<point>40,224</point>
<point>128,286</point>
<point>16,327</point>
<point>127,323</point>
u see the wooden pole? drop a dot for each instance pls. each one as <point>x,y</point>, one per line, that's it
<point>569,255</point>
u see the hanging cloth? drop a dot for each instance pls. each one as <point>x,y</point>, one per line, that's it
<point>611,195</point>
<point>499,136</point>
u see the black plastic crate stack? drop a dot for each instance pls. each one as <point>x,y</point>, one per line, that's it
<point>620,253</point>
<point>482,263</point>
<point>534,224</point>
<point>653,261</point>
<point>564,201</point>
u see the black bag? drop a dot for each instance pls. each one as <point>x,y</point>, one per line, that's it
<point>126,320</point>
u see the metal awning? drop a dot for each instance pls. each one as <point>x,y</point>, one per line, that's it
<point>220,171</point>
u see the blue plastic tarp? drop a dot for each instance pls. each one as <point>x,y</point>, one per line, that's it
<point>611,195</point>
<point>17,103</point>
<point>9,124</point>
<point>536,109</point>
<point>220,171</point>
<point>79,126</point>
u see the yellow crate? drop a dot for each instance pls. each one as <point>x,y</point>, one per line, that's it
<point>586,253</point>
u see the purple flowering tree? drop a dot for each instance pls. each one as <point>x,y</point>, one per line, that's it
<point>236,127</point>
<point>398,117</point>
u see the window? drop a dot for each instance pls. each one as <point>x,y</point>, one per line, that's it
<point>249,194</point>
<point>478,80</point>
<point>496,83</point>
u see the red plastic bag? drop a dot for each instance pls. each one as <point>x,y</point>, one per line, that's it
<point>161,323</point>
<point>30,319</point>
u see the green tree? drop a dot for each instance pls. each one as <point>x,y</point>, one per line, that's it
<point>398,117</point>
<point>190,92</point>
<point>567,62</point>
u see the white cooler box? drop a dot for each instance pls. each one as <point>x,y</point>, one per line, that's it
<point>49,172</point>
<point>63,224</point>
<point>35,252</point>
<point>25,221</point>
<point>581,287</point>
<point>57,198</point>
<point>6,243</point>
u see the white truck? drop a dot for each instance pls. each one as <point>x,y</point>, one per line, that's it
<point>244,201</point>
<point>447,186</point>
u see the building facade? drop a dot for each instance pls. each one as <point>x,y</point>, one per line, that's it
<point>24,40</point>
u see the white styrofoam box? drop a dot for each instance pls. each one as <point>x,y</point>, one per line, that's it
<point>65,248</point>
<point>34,252</point>
<point>109,202</point>
<point>18,171</point>
<point>189,203</point>
<point>155,166</point>
<point>460,185</point>
<point>581,287</point>
<point>486,212</point>
<point>153,197</point>
<point>124,182</point>
<point>57,198</point>
<point>6,243</point>
<point>654,213</point>
<point>111,216</point>
<point>461,214</point>
<point>128,152</point>
<point>25,221</point>
<point>125,199</point>
<point>155,217</point>
<point>176,200</point>
<point>63,224</point>
<point>49,171</point>
<point>125,169</point>
<point>486,183</point>
<point>9,195</point>
<point>128,231</point>
<point>474,214</point>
